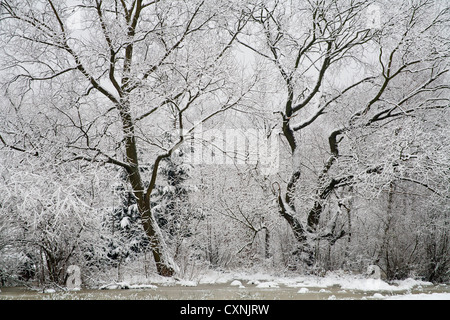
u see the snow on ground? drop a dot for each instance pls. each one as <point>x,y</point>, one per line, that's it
<point>421,296</point>
<point>236,283</point>
<point>344,280</point>
<point>353,282</point>
<point>340,280</point>
<point>187,283</point>
<point>396,290</point>
<point>303,290</point>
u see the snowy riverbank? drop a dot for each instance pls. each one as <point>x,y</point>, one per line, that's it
<point>215,285</point>
<point>333,282</point>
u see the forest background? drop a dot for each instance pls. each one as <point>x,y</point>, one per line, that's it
<point>171,137</point>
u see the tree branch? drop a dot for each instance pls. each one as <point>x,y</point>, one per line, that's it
<point>321,110</point>
<point>35,154</point>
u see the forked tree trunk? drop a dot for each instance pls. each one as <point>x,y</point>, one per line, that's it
<point>164,264</point>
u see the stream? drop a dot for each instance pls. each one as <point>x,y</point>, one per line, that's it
<point>224,291</point>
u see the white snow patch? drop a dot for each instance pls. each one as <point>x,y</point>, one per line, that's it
<point>124,222</point>
<point>303,290</point>
<point>49,290</point>
<point>421,296</point>
<point>410,283</point>
<point>74,289</point>
<point>187,283</point>
<point>354,282</point>
<point>214,277</point>
<point>236,283</point>
<point>368,285</point>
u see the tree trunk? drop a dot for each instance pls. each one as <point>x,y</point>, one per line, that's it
<point>267,243</point>
<point>164,265</point>
<point>305,250</point>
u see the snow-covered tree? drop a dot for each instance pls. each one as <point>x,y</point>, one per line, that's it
<point>342,78</point>
<point>51,217</point>
<point>111,76</point>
